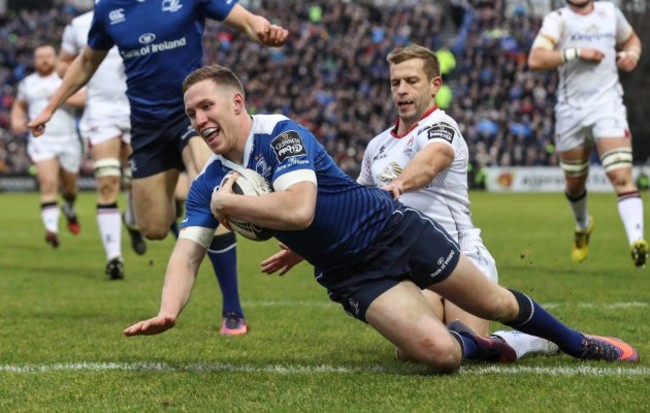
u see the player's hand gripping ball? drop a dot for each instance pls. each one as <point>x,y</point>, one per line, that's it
<point>249,182</point>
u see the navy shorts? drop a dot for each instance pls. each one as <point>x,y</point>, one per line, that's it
<point>158,148</point>
<point>411,247</point>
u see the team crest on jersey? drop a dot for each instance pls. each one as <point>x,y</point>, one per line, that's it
<point>288,145</point>
<point>441,131</point>
<point>408,149</point>
<point>171,5</point>
<point>262,167</point>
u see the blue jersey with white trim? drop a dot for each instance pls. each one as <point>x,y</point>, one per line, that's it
<point>161,42</point>
<point>349,217</point>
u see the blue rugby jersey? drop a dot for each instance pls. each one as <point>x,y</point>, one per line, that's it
<point>349,217</point>
<point>160,42</point>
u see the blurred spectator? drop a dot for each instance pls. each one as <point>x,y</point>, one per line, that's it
<point>333,72</point>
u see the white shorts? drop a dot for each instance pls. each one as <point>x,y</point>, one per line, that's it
<point>575,128</point>
<point>482,258</point>
<point>96,128</point>
<point>66,149</point>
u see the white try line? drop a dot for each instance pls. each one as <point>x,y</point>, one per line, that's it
<point>550,306</point>
<point>302,369</point>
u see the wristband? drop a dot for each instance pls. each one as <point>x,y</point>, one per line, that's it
<point>634,51</point>
<point>570,54</point>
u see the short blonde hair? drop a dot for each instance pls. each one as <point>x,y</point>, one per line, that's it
<point>431,65</point>
<point>221,76</point>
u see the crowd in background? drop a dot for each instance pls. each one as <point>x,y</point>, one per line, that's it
<point>332,76</point>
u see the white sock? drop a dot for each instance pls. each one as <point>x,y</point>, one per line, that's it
<point>630,208</point>
<point>525,344</point>
<point>110,229</point>
<point>50,215</point>
<point>579,208</point>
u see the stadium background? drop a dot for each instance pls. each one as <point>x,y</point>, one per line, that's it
<point>332,75</point>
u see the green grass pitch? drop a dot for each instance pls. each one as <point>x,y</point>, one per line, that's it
<point>62,350</point>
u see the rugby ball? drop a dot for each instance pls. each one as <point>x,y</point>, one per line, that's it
<point>249,182</point>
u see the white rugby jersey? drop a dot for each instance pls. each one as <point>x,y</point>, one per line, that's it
<point>106,91</point>
<point>445,199</point>
<point>586,83</point>
<point>36,91</point>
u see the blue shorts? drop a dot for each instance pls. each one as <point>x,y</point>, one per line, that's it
<point>411,247</point>
<point>158,148</point>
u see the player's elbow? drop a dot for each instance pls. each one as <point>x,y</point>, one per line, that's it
<point>303,216</point>
<point>534,64</point>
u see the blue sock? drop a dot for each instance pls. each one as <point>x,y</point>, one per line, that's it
<point>223,256</point>
<point>467,345</point>
<point>533,319</point>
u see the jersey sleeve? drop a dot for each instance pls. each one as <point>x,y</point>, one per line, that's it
<point>68,42</point>
<point>551,28</point>
<point>20,94</point>
<point>217,9</point>
<point>197,205</point>
<point>365,175</point>
<point>291,155</point>
<point>98,37</point>
<point>440,131</point>
<point>623,28</point>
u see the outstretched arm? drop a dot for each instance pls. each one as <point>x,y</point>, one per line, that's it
<point>428,163</point>
<point>77,76</point>
<point>256,27</point>
<point>181,272</point>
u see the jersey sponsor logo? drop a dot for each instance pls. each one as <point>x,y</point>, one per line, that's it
<point>153,48</point>
<point>147,38</point>
<point>116,16</point>
<point>390,172</point>
<point>592,33</point>
<point>171,5</point>
<point>288,145</point>
<point>441,131</point>
<point>442,263</point>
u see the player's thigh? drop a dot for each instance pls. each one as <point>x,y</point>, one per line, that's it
<point>107,149</point>
<point>468,288</point>
<point>195,155</point>
<point>404,317</point>
<point>47,173</point>
<point>153,203</point>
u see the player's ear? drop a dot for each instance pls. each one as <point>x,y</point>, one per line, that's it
<point>238,103</point>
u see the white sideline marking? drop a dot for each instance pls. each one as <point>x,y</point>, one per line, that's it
<point>301,369</point>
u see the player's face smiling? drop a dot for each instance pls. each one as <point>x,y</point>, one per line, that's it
<point>212,114</point>
<point>412,92</point>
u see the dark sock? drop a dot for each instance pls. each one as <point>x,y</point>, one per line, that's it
<point>223,256</point>
<point>468,346</point>
<point>535,320</point>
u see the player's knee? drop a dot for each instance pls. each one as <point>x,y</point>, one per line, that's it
<point>153,232</point>
<point>575,171</point>
<point>107,167</point>
<point>440,353</point>
<point>108,188</point>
